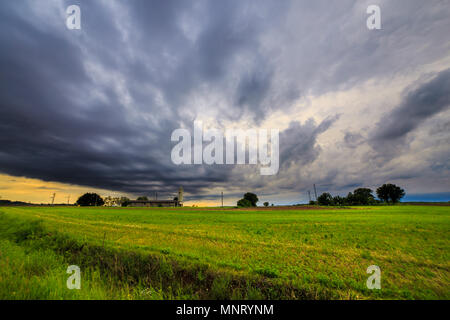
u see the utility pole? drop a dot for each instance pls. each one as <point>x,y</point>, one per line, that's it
<point>68,199</point>
<point>315,191</point>
<point>222,199</point>
<point>53,198</point>
<point>309,195</point>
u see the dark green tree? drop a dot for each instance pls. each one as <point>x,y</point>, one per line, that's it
<point>325,199</point>
<point>142,198</point>
<point>396,194</point>
<point>390,192</point>
<point>363,196</point>
<point>252,198</point>
<point>350,199</point>
<point>90,199</point>
<point>383,193</point>
<point>339,201</point>
<point>244,203</point>
<point>124,201</point>
<point>266,204</point>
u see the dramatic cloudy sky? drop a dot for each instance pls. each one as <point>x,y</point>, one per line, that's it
<point>94,109</point>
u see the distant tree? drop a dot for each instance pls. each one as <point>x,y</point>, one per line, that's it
<point>252,198</point>
<point>272,204</point>
<point>108,201</point>
<point>266,204</point>
<point>383,193</point>
<point>90,199</point>
<point>244,203</point>
<point>114,201</point>
<point>390,192</point>
<point>175,199</point>
<point>124,201</point>
<point>312,203</point>
<point>350,199</point>
<point>325,199</point>
<point>397,194</point>
<point>339,201</point>
<point>143,198</point>
<point>363,196</point>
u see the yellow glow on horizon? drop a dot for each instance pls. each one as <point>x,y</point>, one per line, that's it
<point>201,203</point>
<point>39,191</point>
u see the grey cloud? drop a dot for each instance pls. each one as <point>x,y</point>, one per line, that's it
<point>417,106</point>
<point>353,139</point>
<point>298,142</point>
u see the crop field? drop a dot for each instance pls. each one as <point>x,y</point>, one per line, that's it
<point>215,253</point>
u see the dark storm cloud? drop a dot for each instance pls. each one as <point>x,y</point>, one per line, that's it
<point>298,142</point>
<point>55,128</point>
<point>417,106</point>
<point>48,133</point>
<point>97,107</point>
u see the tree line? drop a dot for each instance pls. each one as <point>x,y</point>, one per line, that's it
<point>387,193</point>
<point>93,199</point>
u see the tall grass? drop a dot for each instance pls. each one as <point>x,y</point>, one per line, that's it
<point>35,261</point>
<point>237,254</point>
<point>33,273</point>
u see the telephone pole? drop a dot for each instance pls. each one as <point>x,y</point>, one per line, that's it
<point>53,198</point>
<point>315,191</point>
<point>68,199</point>
<point>309,195</point>
<point>222,199</point>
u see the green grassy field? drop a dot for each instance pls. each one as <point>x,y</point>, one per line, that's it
<point>212,253</point>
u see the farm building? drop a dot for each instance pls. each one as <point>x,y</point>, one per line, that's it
<point>177,202</point>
